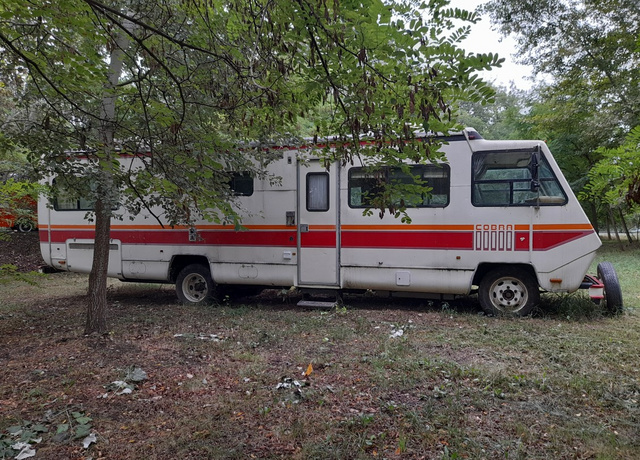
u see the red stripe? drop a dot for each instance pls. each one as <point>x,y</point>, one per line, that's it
<point>248,238</point>
<point>543,241</point>
<point>181,237</point>
<point>408,240</point>
<point>318,239</point>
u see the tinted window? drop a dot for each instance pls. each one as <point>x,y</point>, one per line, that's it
<point>241,184</point>
<point>66,201</point>
<point>416,186</point>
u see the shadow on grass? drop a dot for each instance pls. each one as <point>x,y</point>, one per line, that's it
<point>562,307</point>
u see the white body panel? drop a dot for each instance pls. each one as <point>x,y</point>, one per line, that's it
<point>286,243</point>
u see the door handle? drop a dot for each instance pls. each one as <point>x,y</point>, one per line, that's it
<point>304,228</point>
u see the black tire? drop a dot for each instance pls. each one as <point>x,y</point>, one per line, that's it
<point>612,291</point>
<point>194,285</point>
<point>508,291</point>
<point>25,227</point>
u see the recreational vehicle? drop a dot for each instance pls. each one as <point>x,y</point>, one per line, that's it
<point>500,219</point>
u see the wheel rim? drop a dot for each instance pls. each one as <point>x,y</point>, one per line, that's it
<point>25,227</point>
<point>508,294</point>
<point>194,287</point>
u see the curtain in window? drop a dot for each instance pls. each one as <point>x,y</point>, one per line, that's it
<point>318,192</point>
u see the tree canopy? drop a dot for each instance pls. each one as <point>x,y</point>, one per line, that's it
<point>590,48</point>
<point>198,78</point>
<point>186,82</point>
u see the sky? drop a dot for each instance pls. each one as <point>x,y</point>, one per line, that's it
<point>484,40</point>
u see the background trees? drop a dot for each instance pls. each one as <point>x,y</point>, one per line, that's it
<point>590,48</point>
<point>186,82</point>
<point>589,52</point>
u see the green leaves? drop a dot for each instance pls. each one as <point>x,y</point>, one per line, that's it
<point>615,179</point>
<point>593,62</point>
<point>199,79</point>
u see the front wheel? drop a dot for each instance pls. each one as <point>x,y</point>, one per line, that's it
<point>612,290</point>
<point>508,291</point>
<point>194,285</point>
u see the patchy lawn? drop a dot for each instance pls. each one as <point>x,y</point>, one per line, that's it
<point>228,382</point>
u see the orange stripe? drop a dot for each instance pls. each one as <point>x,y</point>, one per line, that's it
<point>249,227</point>
<point>81,227</point>
<point>146,227</point>
<point>563,227</point>
<point>184,227</point>
<point>408,227</point>
<point>322,227</point>
<point>114,227</point>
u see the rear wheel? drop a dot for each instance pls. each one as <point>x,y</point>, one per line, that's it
<point>508,291</point>
<point>26,226</point>
<point>194,285</point>
<point>612,290</point>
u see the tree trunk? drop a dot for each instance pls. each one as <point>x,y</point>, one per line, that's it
<point>625,227</point>
<point>97,307</point>
<point>106,193</point>
<point>615,227</point>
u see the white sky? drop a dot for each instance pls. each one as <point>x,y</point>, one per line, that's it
<point>484,40</point>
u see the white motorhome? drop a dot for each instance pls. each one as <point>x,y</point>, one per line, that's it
<point>500,218</point>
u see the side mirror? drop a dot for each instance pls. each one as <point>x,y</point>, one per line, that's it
<point>534,167</point>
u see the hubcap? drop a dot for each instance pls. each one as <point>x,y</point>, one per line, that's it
<point>508,294</point>
<point>194,287</point>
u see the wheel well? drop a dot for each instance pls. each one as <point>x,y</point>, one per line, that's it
<point>179,262</point>
<point>485,268</point>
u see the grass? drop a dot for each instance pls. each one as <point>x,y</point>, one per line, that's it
<point>625,262</point>
<point>457,384</point>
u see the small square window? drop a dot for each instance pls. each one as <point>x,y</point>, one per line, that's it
<point>241,184</point>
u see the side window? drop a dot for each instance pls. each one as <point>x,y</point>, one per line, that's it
<point>241,184</point>
<point>66,201</point>
<point>437,177</point>
<point>317,192</point>
<point>419,186</point>
<point>364,186</point>
<point>514,178</point>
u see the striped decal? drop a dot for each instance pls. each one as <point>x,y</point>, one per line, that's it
<point>549,236</point>
<point>443,237</point>
<point>215,235</point>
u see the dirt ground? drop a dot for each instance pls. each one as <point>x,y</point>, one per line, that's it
<point>262,378</point>
<point>401,381</point>
<point>21,250</point>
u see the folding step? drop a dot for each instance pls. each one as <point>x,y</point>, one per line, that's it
<point>328,305</point>
<point>320,298</point>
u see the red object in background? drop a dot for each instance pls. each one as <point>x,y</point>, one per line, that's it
<point>21,217</point>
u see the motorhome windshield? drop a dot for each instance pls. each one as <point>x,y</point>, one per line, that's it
<point>515,178</point>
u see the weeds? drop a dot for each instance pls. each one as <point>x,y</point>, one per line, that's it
<point>23,439</point>
<point>9,274</point>
<point>572,307</point>
<point>455,384</point>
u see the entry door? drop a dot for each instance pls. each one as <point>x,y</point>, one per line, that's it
<point>318,226</point>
